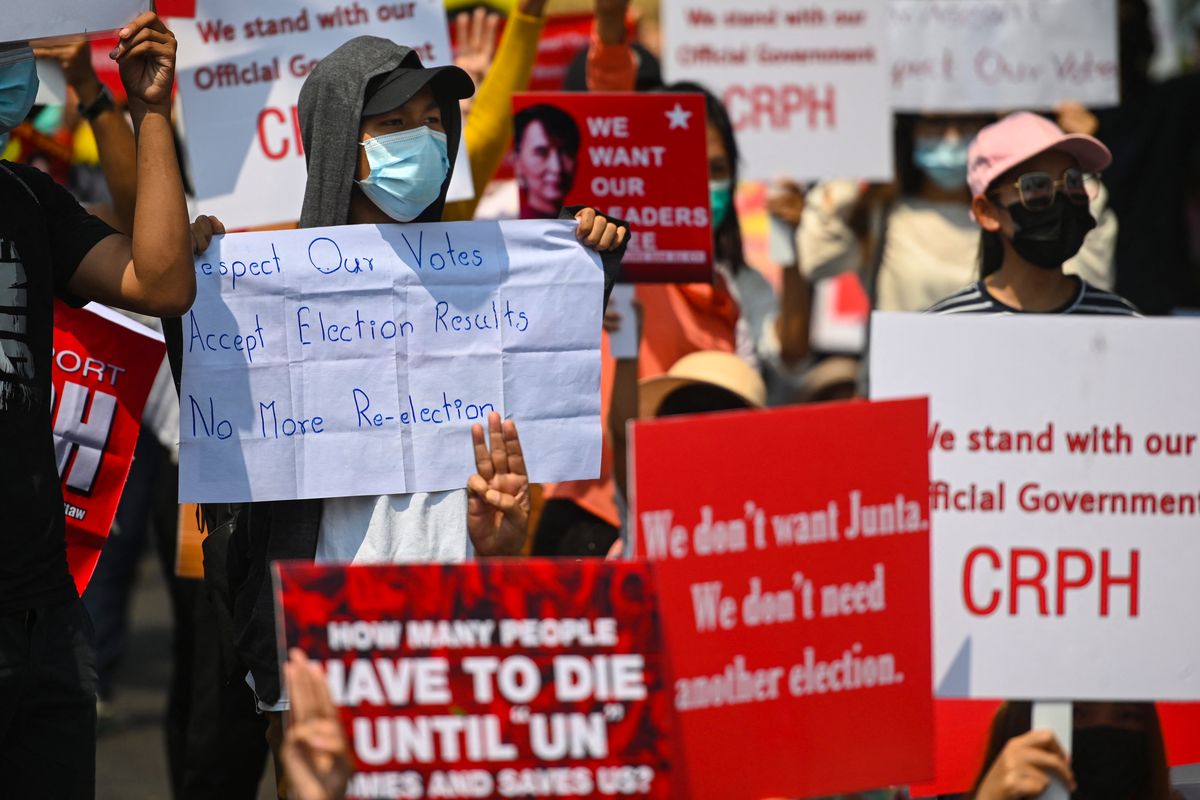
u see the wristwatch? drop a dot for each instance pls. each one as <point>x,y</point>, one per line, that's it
<point>103,102</point>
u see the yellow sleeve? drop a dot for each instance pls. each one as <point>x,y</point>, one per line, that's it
<point>489,125</point>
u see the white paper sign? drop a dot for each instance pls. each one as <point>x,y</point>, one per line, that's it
<point>1065,469</point>
<point>985,55</point>
<point>21,21</point>
<point>806,85</point>
<point>241,66</point>
<point>330,362</point>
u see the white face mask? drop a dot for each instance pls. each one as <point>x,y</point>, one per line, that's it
<point>408,169</point>
<point>18,86</point>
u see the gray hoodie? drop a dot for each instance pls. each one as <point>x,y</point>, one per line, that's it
<point>330,108</point>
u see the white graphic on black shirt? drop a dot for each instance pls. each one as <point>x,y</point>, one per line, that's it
<point>17,387</point>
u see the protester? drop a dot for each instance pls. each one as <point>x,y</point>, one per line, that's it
<point>1031,185</point>
<point>913,243</point>
<point>1117,753</point>
<point>380,132</point>
<point>49,243</point>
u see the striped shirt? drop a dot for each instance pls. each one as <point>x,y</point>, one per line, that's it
<point>976,299</point>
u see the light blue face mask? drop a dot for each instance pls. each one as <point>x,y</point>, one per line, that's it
<point>407,171</point>
<point>720,197</point>
<point>18,86</point>
<point>943,160</point>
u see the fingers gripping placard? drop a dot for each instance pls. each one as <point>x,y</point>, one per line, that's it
<point>354,360</point>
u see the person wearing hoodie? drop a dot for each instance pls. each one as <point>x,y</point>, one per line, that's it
<point>380,135</point>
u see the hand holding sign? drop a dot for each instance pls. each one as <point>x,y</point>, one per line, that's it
<point>146,52</point>
<point>498,503</point>
<point>1023,768</point>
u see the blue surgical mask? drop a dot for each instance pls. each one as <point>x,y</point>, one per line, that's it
<point>18,86</point>
<point>943,160</point>
<point>720,198</point>
<point>407,171</point>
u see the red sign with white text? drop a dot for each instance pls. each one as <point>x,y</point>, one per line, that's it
<point>104,366</point>
<point>491,678</point>
<point>791,549</point>
<point>641,158</point>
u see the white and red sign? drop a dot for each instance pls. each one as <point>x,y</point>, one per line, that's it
<point>241,66</point>
<point>806,85</point>
<point>1066,503</point>
<point>104,366</point>
<point>791,550</point>
<point>641,158</point>
<point>948,56</point>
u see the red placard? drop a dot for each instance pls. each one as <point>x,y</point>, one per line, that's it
<point>502,678</point>
<point>637,157</point>
<point>791,549</point>
<point>104,366</point>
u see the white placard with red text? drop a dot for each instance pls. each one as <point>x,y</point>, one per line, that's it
<point>241,66</point>
<point>806,85</point>
<point>46,18</point>
<point>1095,521</point>
<point>983,55</point>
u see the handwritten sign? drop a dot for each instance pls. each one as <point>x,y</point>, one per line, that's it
<point>1065,501</point>
<point>48,18</point>
<point>330,362</point>
<point>638,157</point>
<point>794,593</point>
<point>241,66</point>
<point>523,679</point>
<point>104,367</point>
<point>806,85</point>
<point>950,56</point>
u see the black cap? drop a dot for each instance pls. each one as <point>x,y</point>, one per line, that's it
<point>398,86</point>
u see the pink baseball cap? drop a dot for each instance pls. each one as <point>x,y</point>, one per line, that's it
<point>1020,136</point>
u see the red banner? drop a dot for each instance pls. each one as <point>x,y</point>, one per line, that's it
<point>637,157</point>
<point>104,366</point>
<point>792,557</point>
<point>492,678</point>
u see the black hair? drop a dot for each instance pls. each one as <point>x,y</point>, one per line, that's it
<point>558,124</point>
<point>700,398</point>
<point>727,238</point>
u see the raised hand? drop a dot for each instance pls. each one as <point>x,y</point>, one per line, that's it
<point>475,42</point>
<point>498,494</point>
<point>315,754</point>
<point>145,52</point>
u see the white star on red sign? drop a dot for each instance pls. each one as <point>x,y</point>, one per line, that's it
<point>678,117</point>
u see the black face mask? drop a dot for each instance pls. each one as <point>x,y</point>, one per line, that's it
<point>1109,763</point>
<point>1048,238</point>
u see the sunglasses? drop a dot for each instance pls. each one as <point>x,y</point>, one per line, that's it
<point>1037,190</point>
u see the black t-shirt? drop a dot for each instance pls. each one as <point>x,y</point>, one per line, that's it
<point>44,234</point>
